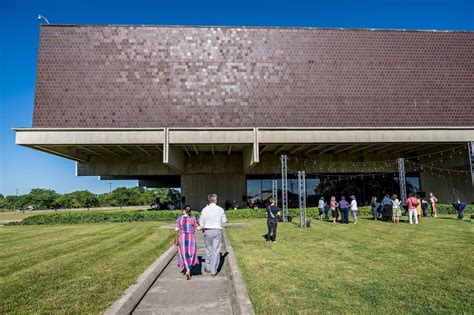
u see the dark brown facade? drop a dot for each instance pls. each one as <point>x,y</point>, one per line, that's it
<point>147,76</point>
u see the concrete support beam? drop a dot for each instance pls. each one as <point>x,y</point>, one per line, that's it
<point>297,148</point>
<point>329,148</point>
<point>143,150</point>
<point>377,148</point>
<point>175,159</point>
<point>89,150</point>
<point>187,151</point>
<point>249,158</point>
<point>64,152</point>
<point>124,166</point>
<point>280,149</point>
<point>125,150</point>
<point>107,150</point>
<point>345,148</point>
<point>361,148</point>
<point>172,157</point>
<point>314,148</point>
<point>196,150</point>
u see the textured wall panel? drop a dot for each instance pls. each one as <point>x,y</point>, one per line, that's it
<point>147,76</point>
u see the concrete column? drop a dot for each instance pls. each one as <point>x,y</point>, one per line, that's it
<point>196,188</point>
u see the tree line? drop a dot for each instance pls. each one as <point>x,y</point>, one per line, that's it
<point>39,198</point>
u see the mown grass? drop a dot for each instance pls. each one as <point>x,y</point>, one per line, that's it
<point>74,269</point>
<point>13,216</point>
<point>371,267</point>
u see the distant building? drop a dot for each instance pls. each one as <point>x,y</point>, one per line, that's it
<point>211,109</point>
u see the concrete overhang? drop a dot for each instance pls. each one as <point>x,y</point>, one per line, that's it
<point>365,135</point>
<point>211,136</point>
<point>63,136</point>
<point>170,144</point>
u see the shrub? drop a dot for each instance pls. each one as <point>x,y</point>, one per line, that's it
<point>77,217</point>
<point>99,216</point>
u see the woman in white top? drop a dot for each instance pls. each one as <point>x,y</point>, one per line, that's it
<point>433,201</point>
<point>397,211</point>
<point>354,208</point>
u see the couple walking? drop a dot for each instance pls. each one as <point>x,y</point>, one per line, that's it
<point>211,222</point>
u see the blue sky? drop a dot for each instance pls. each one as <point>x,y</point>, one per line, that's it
<point>23,168</point>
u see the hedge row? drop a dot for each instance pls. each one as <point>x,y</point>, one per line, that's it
<point>100,216</point>
<point>140,215</point>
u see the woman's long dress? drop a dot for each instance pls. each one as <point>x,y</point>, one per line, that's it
<point>187,253</point>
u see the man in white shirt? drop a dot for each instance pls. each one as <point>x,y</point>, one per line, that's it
<point>212,219</point>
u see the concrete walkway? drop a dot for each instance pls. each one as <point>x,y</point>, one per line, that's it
<point>173,294</point>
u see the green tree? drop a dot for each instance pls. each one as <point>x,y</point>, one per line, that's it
<point>77,199</point>
<point>122,196</point>
<point>3,202</point>
<point>43,198</point>
<point>10,202</point>
<point>107,200</point>
<point>37,197</point>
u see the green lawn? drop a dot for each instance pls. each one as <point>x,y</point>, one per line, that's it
<point>74,268</point>
<point>13,216</point>
<point>371,267</point>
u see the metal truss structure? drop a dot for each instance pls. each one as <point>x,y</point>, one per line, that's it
<point>284,186</point>
<point>302,198</point>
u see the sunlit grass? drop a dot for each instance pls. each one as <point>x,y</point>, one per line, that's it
<point>371,267</point>
<point>74,268</point>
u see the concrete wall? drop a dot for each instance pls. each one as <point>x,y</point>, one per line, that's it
<point>227,187</point>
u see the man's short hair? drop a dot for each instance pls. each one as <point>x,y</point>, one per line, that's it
<point>212,198</point>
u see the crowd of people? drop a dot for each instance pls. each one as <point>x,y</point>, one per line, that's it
<point>213,218</point>
<point>389,209</point>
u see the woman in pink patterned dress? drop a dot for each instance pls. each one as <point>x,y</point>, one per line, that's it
<point>187,225</point>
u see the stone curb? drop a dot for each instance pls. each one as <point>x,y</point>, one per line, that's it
<point>133,295</point>
<point>239,298</point>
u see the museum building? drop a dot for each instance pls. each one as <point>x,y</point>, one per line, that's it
<point>211,109</point>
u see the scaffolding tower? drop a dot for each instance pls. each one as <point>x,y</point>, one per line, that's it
<point>275,190</point>
<point>302,198</point>
<point>284,186</point>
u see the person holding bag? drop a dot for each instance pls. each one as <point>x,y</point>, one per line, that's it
<point>187,225</point>
<point>272,220</point>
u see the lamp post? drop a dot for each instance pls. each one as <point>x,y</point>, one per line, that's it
<point>44,18</point>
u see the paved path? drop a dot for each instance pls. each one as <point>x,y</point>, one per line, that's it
<point>173,294</point>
